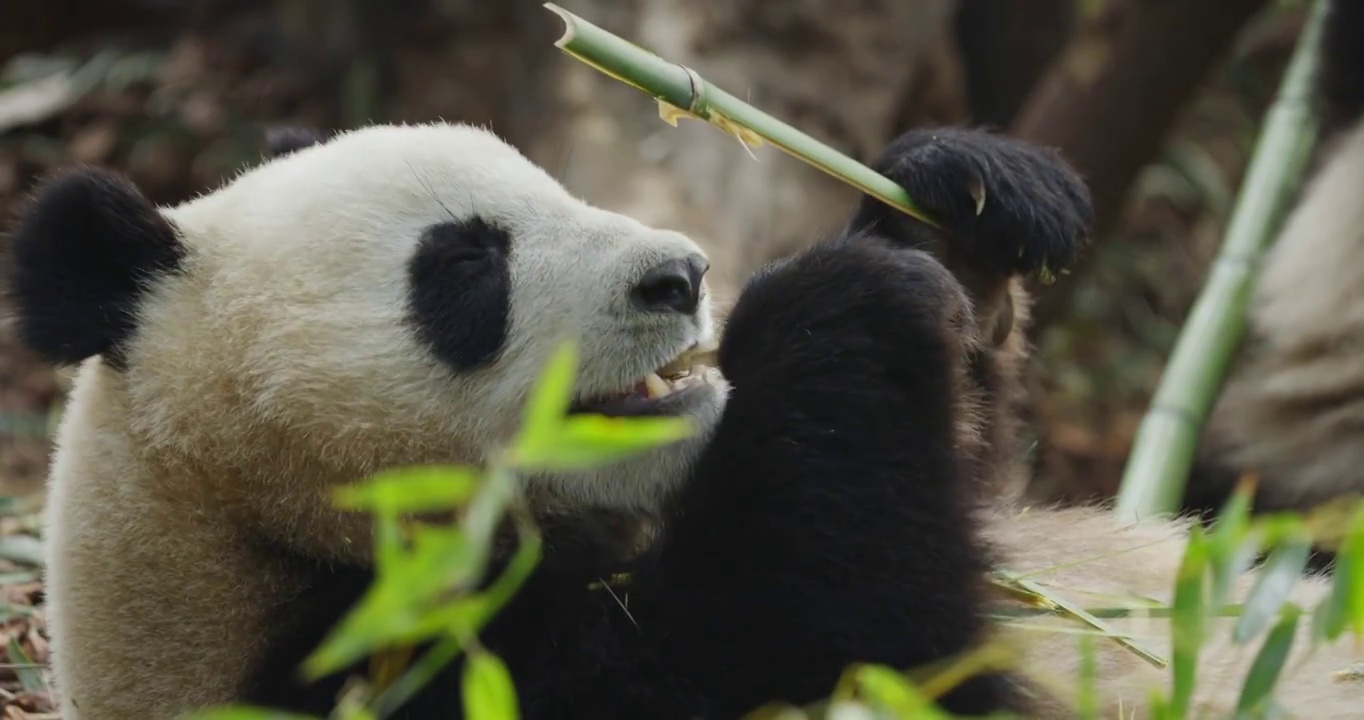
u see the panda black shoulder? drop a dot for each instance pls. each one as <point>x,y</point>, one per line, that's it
<point>84,252</point>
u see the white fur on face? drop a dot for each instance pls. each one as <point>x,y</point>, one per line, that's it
<point>281,361</point>
<point>289,330</point>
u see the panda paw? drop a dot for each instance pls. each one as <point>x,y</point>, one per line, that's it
<point>841,308</point>
<point>1010,207</point>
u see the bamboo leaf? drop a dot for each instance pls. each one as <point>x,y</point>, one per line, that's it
<point>1232,547</point>
<point>415,489</point>
<point>1187,621</point>
<point>417,675</point>
<point>1353,548</point>
<point>1087,702</point>
<point>488,690</point>
<point>23,549</point>
<point>549,401</point>
<point>395,609</point>
<point>1344,606</point>
<point>1272,586</point>
<point>586,441</point>
<point>30,674</point>
<point>1029,591</point>
<point>885,688</point>
<point>1264,671</point>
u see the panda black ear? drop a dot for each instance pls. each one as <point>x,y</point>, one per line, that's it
<point>280,141</point>
<point>83,255</point>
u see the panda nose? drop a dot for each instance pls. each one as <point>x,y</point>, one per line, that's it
<point>672,286</point>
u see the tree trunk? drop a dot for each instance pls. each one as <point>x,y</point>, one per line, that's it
<point>1113,96</point>
<point>1006,46</point>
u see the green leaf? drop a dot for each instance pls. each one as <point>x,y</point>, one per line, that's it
<point>30,673</point>
<point>549,401</point>
<point>353,711</point>
<point>389,545</point>
<point>1353,583</point>
<point>1187,620</point>
<point>1233,548</point>
<point>431,488</point>
<point>488,690</point>
<point>1334,612</point>
<point>395,608</point>
<point>358,635</point>
<point>22,549</point>
<point>518,570</point>
<point>587,441</point>
<point>1264,671</point>
<point>1160,707</point>
<point>888,689</point>
<point>1272,586</point>
<point>1086,702</point>
<point>1342,606</point>
<point>417,675</point>
<point>551,440</point>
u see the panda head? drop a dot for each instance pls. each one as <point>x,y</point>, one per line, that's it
<point>386,297</point>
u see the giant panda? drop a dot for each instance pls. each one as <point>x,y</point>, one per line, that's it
<point>387,296</point>
<point>1291,410</point>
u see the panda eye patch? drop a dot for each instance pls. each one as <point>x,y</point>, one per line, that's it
<point>462,241</point>
<point>460,291</point>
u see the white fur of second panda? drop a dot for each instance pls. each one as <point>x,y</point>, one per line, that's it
<point>1291,412</point>
<point>168,471</point>
<point>1086,556</point>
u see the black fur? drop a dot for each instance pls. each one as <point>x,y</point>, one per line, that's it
<point>84,252</point>
<point>1036,209</point>
<point>1342,69</point>
<point>823,526</point>
<point>281,141</point>
<point>1008,208</point>
<point>461,291</point>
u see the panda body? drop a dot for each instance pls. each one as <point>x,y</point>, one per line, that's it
<point>1292,408</point>
<point>389,296</point>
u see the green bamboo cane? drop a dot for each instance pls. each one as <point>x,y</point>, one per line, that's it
<point>681,92</point>
<point>1163,450</point>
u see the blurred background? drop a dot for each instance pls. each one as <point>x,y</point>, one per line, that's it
<point>1157,102</point>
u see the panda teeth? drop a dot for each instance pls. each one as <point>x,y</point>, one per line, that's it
<point>657,386</point>
<point>703,353</point>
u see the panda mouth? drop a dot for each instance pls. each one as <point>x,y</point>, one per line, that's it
<point>661,392</point>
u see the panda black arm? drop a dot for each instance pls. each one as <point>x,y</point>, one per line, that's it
<point>827,522</point>
<point>1008,207</point>
<point>825,525</point>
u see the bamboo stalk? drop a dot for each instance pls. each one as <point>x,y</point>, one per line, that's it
<point>1157,469</point>
<point>681,92</point>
